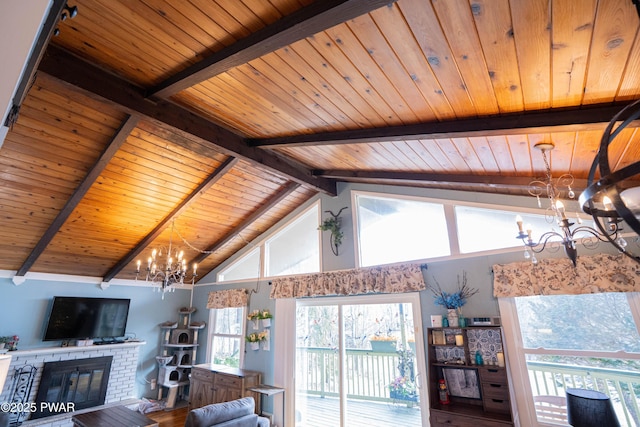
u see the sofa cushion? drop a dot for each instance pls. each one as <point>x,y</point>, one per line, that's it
<point>217,413</point>
<point>245,421</point>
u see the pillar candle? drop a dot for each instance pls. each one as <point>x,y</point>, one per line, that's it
<point>500,356</point>
<point>459,340</point>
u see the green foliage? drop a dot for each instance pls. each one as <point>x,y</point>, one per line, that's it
<point>333,224</point>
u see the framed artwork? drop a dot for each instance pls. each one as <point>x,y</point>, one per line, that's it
<point>438,337</point>
<point>462,382</point>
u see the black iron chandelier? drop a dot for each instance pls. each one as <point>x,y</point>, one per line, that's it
<point>567,236</point>
<point>621,187</point>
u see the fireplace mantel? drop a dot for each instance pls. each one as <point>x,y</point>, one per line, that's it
<point>59,349</point>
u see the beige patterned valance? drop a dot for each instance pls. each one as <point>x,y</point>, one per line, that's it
<point>385,279</point>
<point>593,274</point>
<point>228,298</point>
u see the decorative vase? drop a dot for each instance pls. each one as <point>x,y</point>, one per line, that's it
<point>256,324</point>
<point>255,345</point>
<point>452,316</point>
<point>266,323</point>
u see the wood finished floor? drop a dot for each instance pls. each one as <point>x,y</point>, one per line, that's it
<point>173,418</point>
<point>323,412</point>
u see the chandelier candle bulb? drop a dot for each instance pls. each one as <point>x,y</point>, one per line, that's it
<point>138,266</point>
<point>519,222</point>
<point>560,208</point>
<point>529,230</point>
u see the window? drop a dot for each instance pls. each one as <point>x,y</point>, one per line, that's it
<point>247,267</point>
<point>486,229</point>
<point>296,248</point>
<point>226,336</point>
<point>393,229</point>
<point>586,341</point>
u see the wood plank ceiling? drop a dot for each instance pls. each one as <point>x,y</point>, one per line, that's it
<point>221,117</point>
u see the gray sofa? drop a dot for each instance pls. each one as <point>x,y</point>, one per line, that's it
<point>236,413</point>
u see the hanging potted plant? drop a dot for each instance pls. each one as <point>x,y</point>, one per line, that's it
<point>265,317</point>
<point>255,338</point>
<point>254,318</point>
<point>402,388</point>
<point>334,226</point>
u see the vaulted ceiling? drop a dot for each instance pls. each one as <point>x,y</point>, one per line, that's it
<point>221,117</point>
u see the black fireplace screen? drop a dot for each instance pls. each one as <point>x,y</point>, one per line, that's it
<point>81,381</point>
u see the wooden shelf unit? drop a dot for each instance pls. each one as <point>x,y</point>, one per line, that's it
<point>486,403</point>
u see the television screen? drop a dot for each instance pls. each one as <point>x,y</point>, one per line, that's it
<point>86,318</point>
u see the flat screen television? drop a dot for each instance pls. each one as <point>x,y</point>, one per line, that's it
<point>86,318</point>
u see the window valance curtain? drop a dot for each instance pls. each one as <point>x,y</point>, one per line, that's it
<point>593,274</point>
<point>228,298</point>
<point>385,279</point>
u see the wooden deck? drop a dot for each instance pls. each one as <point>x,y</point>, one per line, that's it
<point>323,412</point>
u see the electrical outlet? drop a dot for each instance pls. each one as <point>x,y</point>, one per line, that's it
<point>153,384</point>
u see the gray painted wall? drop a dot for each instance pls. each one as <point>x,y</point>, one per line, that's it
<point>478,268</point>
<point>23,308</point>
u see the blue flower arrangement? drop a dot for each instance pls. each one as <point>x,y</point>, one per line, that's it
<point>455,299</point>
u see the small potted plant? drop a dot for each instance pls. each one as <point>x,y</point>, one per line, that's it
<point>265,317</point>
<point>12,342</point>
<point>255,338</point>
<point>254,317</point>
<point>4,341</point>
<point>402,388</point>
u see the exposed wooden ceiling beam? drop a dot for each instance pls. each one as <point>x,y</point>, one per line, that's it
<point>274,200</point>
<point>46,31</point>
<point>98,84</point>
<point>487,182</point>
<point>214,177</point>
<point>116,142</point>
<point>562,120</point>
<point>305,22</point>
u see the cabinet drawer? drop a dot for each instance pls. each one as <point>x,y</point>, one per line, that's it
<point>495,391</point>
<point>440,419</point>
<point>228,381</point>
<point>493,375</point>
<point>496,405</point>
<point>200,374</point>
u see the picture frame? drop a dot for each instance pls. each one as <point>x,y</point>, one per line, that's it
<point>438,337</point>
<point>462,382</point>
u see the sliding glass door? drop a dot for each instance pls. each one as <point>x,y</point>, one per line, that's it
<point>359,362</point>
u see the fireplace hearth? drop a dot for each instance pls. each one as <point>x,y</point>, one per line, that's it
<point>82,382</point>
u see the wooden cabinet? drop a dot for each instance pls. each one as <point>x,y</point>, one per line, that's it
<point>201,388</point>
<point>478,394</point>
<point>217,383</point>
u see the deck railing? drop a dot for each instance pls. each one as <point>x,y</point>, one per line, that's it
<point>550,380</point>
<point>369,373</point>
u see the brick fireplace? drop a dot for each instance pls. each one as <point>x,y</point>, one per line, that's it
<point>120,385</point>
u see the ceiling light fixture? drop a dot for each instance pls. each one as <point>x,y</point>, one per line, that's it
<point>165,277</point>
<point>567,236</point>
<point>621,187</point>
